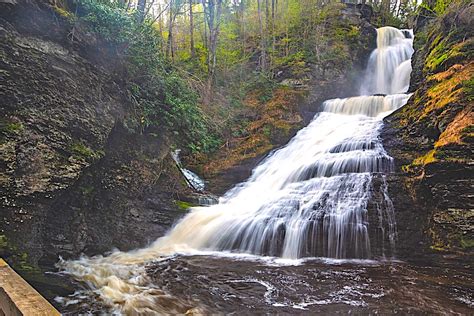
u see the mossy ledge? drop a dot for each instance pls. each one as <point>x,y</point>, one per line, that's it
<point>431,138</point>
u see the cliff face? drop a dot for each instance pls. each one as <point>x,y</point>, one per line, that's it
<point>73,178</point>
<point>431,137</point>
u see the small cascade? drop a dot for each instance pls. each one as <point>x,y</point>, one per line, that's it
<point>192,179</point>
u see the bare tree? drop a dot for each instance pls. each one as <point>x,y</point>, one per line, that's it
<point>173,11</point>
<point>212,11</point>
<point>263,56</point>
<point>141,10</point>
<point>191,28</point>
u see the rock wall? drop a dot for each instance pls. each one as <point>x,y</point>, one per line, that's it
<point>431,138</point>
<point>73,178</point>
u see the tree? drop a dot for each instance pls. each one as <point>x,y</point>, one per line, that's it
<point>263,49</point>
<point>212,12</point>
<point>191,29</point>
<point>141,10</point>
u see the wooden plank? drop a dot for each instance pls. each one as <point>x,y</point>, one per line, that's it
<point>17,297</point>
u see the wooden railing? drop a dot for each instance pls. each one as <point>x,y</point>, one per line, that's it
<point>17,297</point>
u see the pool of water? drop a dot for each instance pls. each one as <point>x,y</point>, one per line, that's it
<point>247,285</point>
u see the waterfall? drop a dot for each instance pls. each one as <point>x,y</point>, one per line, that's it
<point>389,66</point>
<point>309,198</point>
<point>192,179</point>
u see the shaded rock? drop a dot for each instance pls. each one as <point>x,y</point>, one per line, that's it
<point>430,139</point>
<point>73,178</point>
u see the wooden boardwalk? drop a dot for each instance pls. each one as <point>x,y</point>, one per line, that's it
<point>17,297</point>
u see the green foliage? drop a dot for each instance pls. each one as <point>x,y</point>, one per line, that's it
<point>263,84</point>
<point>3,242</point>
<point>296,39</point>
<point>161,97</point>
<point>82,151</point>
<point>437,7</point>
<point>469,89</point>
<point>184,205</point>
<point>466,242</point>
<point>185,118</point>
<point>7,127</point>
<point>114,24</point>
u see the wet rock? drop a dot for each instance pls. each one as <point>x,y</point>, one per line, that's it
<point>429,139</point>
<point>73,178</point>
<point>293,83</point>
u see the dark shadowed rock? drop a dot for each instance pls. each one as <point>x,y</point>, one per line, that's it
<point>431,139</point>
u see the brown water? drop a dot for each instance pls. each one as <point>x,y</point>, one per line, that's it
<point>246,285</point>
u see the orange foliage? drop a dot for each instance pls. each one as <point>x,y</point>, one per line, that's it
<point>277,115</point>
<point>453,132</point>
<point>448,88</point>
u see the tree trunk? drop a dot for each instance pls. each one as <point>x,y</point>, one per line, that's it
<point>263,57</point>
<point>169,47</point>
<point>191,29</point>
<point>141,10</point>
<point>212,11</point>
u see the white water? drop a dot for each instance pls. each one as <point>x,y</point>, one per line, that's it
<point>192,179</point>
<point>389,67</point>
<point>307,199</point>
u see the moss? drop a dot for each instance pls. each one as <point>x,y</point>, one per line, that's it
<point>82,151</point>
<point>445,53</point>
<point>62,12</point>
<point>86,190</point>
<point>426,159</point>
<point>466,242</point>
<point>10,127</point>
<point>184,205</point>
<point>24,265</point>
<point>420,40</point>
<point>447,87</point>
<point>438,247</point>
<point>469,89</point>
<point>459,130</point>
<point>19,260</point>
<point>3,242</point>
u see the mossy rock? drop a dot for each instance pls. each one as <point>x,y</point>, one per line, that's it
<point>8,128</point>
<point>184,205</point>
<point>82,151</point>
<point>466,242</point>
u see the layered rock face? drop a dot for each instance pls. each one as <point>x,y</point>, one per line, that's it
<point>431,138</point>
<point>73,179</point>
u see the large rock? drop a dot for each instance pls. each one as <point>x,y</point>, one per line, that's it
<point>73,179</point>
<point>431,139</point>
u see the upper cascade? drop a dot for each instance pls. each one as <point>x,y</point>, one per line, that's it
<point>389,67</point>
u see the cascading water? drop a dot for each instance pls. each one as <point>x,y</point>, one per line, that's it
<point>389,66</point>
<point>309,198</point>
<point>193,180</point>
